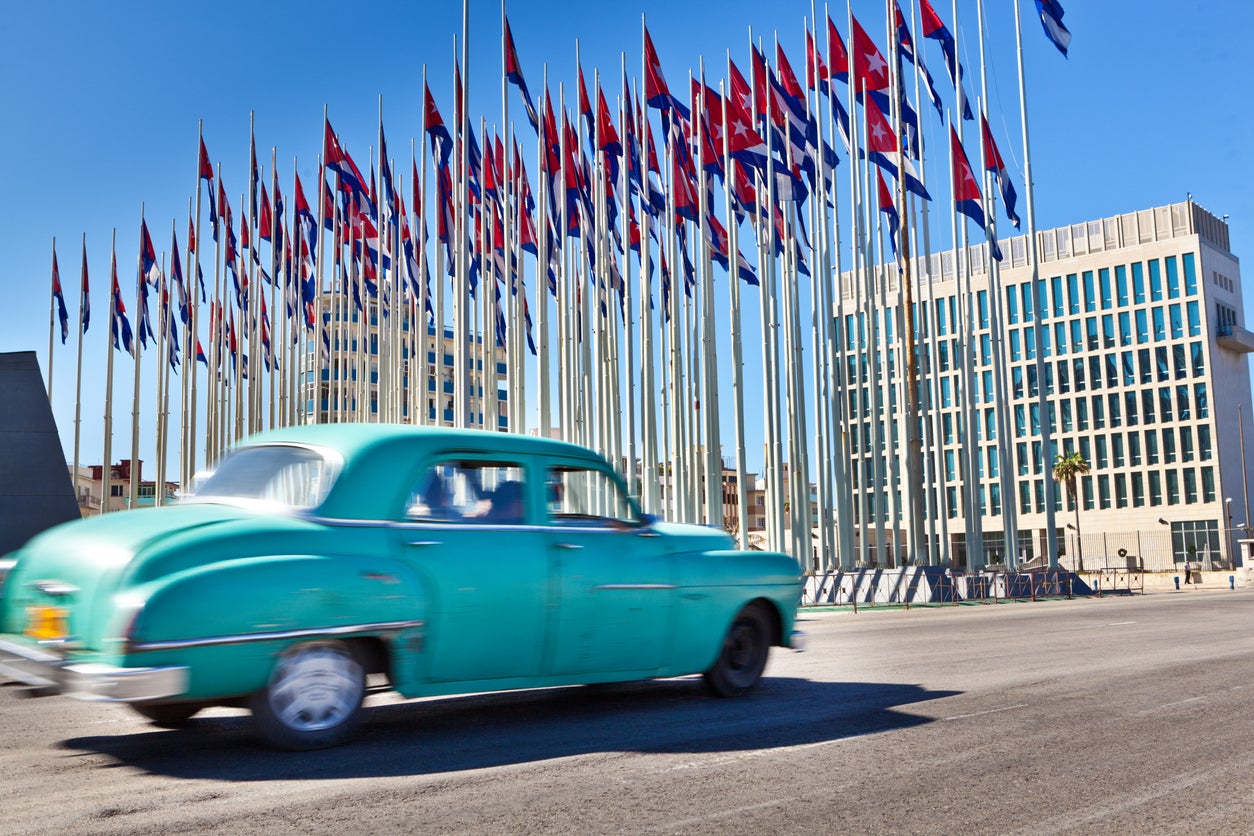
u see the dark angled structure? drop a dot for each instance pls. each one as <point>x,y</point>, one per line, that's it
<point>35,488</point>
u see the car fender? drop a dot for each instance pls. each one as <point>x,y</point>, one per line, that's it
<point>715,585</point>
<point>229,621</point>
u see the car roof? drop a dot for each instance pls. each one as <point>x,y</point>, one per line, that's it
<point>372,452</point>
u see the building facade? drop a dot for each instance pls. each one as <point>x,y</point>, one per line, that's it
<point>367,371</point>
<point>1130,348</point>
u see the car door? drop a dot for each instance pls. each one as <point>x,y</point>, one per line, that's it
<point>616,585</point>
<point>470,531</point>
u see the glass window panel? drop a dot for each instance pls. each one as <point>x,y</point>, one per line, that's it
<point>1073,293</point>
<point>1121,285</point>
<point>1155,281</point>
<point>1169,445</point>
<point>1151,447</point>
<point>1090,292</point>
<point>1142,327</point>
<point>1155,488</point>
<point>1173,278</point>
<point>1190,275</point>
<point>1104,281</point>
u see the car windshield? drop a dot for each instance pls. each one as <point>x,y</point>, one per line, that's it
<point>296,477</point>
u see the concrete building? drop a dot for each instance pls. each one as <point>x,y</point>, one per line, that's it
<point>90,488</point>
<point>1137,321</point>
<point>349,387</point>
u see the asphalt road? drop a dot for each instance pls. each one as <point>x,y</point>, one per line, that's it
<point>1119,715</point>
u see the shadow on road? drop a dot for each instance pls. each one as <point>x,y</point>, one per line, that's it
<point>453,734</point>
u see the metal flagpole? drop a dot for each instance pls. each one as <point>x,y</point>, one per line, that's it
<point>461,310</point>
<point>1047,449</point>
<point>1010,532</point>
<point>52,307</point>
<point>106,488</point>
<point>133,493</point>
<point>83,308</point>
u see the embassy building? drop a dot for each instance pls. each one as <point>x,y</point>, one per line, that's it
<point>1131,350</point>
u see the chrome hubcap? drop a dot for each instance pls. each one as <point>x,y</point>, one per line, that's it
<point>315,687</point>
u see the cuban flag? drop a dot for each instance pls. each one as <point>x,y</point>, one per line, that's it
<point>993,163</point>
<point>891,216</point>
<point>513,74</point>
<point>837,57</point>
<point>1051,18</point>
<point>883,149</point>
<point>657,93</point>
<point>150,270</point>
<point>337,159</point>
<point>119,324</point>
<point>84,296</point>
<point>967,197</point>
<point>936,30</point>
<point>176,277</point>
<point>436,130</point>
<point>62,314</point>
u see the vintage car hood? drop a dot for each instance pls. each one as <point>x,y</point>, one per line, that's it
<point>83,564</point>
<point>685,537</point>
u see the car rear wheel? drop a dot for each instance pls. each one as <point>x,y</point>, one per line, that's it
<point>742,659</point>
<point>313,699</point>
<point>169,715</point>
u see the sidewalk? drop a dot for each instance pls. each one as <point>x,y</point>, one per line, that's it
<point>1155,582</point>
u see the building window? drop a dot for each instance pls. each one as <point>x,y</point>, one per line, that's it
<point>1194,540</point>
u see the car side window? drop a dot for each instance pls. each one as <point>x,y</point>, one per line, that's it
<point>587,497</point>
<point>469,492</point>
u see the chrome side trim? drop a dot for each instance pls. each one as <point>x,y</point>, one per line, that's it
<point>57,589</point>
<point>635,586</point>
<point>279,635</point>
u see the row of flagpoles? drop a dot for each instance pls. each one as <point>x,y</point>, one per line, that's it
<point>334,323</point>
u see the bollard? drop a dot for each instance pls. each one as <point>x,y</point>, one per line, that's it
<point>1232,582</point>
<point>1177,580</point>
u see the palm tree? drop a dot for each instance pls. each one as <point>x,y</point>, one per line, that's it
<point>1066,468</point>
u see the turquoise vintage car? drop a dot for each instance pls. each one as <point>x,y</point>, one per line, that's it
<point>449,561</point>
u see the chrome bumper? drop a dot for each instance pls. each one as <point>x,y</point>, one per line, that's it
<point>797,641</point>
<point>51,674</point>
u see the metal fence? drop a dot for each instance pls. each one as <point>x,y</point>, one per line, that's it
<point>1156,550</point>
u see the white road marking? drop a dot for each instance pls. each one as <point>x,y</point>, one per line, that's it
<point>989,711</point>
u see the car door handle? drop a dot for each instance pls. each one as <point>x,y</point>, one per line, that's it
<point>426,543</point>
<point>571,546</point>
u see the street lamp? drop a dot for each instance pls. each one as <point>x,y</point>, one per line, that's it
<point>1231,533</point>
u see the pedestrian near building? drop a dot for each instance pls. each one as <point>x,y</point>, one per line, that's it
<point>1188,572</point>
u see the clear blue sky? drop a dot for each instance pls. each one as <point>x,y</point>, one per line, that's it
<point>101,103</point>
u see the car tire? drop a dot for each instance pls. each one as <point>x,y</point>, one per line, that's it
<point>313,699</point>
<point>742,658</point>
<point>167,715</point>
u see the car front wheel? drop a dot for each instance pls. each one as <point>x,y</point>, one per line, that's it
<point>742,659</point>
<point>313,699</point>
